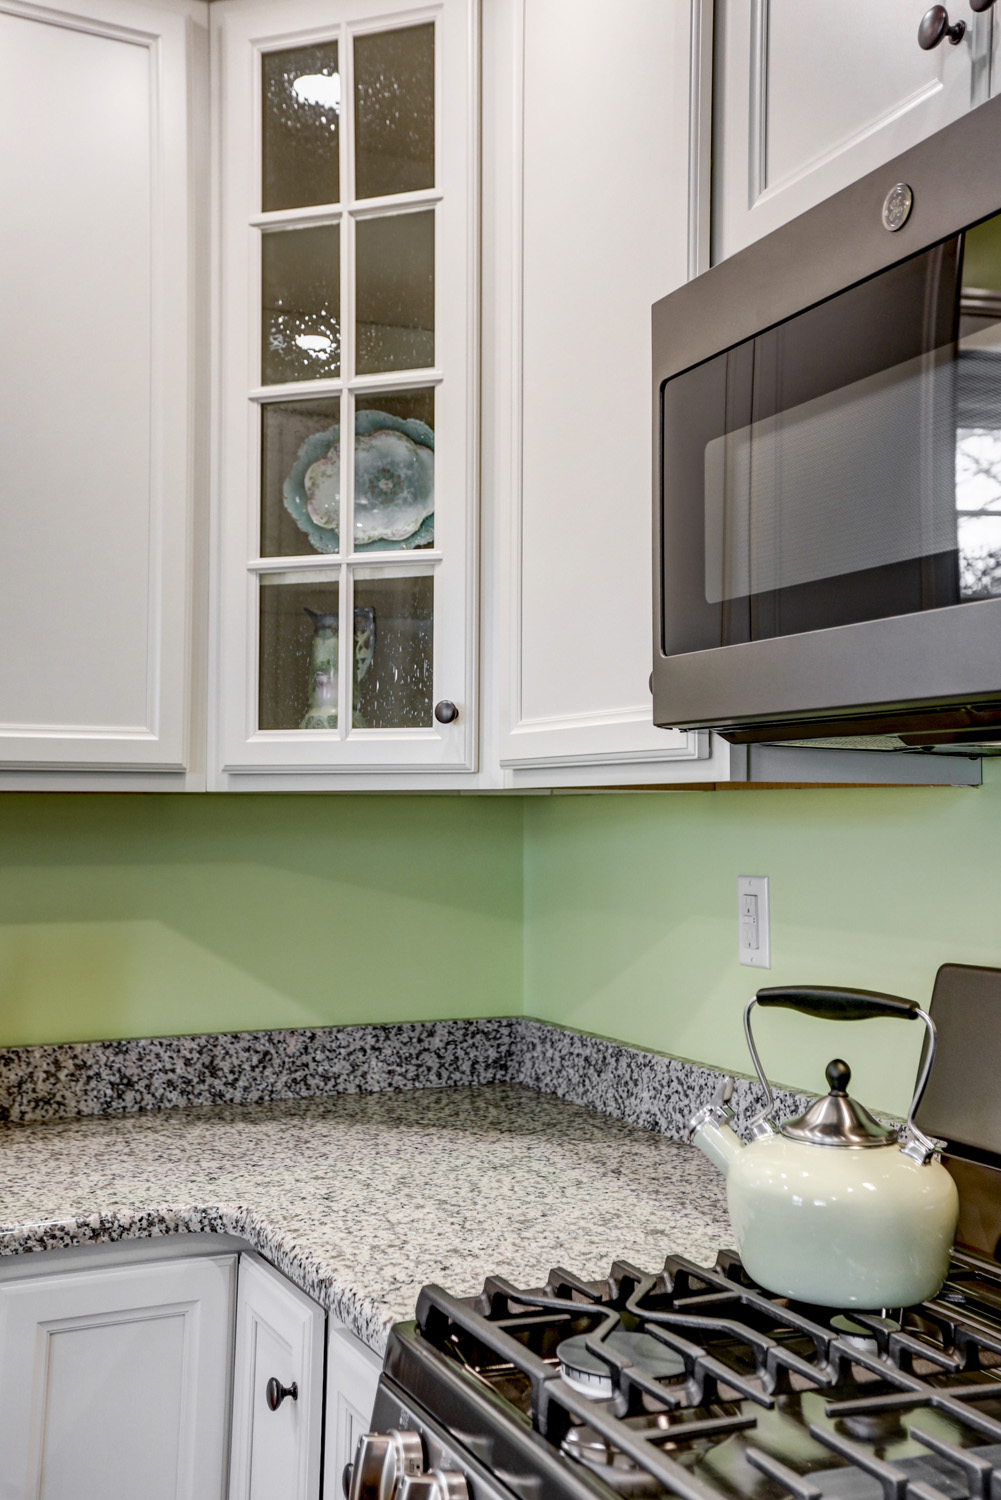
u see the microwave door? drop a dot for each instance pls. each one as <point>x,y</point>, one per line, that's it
<point>809,473</point>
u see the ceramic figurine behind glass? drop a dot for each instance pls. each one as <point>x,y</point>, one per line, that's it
<point>322,710</point>
<point>364,656</point>
<point>323,679</point>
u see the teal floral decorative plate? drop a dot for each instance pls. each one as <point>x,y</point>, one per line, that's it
<point>394,485</point>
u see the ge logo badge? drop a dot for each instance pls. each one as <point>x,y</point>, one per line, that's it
<point>897,206</point>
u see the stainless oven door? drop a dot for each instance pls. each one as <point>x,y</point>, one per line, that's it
<point>409,1453</point>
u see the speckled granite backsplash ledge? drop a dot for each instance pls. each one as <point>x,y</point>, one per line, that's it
<point>648,1089</point>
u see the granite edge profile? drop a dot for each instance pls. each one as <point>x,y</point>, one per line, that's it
<point>352,1308</point>
<point>652,1090</point>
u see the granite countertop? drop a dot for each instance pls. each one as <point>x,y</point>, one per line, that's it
<point>361,1199</point>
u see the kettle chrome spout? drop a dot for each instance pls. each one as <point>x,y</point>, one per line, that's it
<point>709,1129</point>
<point>819,1214</point>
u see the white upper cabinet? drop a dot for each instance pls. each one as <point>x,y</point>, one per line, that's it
<point>98,182</point>
<point>431,270</point>
<point>344,631</point>
<point>595,170</point>
<point>810,97</point>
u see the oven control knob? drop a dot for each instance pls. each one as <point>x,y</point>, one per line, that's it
<point>384,1461</point>
<point>436,1484</point>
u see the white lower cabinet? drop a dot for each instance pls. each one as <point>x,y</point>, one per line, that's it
<point>120,1375</point>
<point>277,1389</point>
<point>114,1380</point>
<point>352,1376</point>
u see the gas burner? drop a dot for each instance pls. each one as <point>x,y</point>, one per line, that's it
<point>866,1336</point>
<point>617,1469</point>
<point>876,1427</point>
<point>592,1376</point>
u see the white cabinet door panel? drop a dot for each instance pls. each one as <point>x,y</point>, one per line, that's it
<point>109,1378</point>
<point>604,212</point>
<point>94,385</point>
<point>256,666</point>
<point>811,97</point>
<point>279,1334</point>
<point>352,1376</point>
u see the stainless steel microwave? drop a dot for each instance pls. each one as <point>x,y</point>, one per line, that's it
<point>828,467</point>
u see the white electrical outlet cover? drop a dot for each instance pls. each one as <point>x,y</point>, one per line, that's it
<point>754,946</point>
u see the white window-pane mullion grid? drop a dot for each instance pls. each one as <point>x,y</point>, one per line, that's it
<point>346,596</point>
<point>346,215</point>
<point>243,41</point>
<point>258,395</point>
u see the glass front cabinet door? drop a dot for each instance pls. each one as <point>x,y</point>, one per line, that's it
<point>346,465</point>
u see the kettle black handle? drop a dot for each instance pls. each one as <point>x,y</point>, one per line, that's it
<point>834,1004</point>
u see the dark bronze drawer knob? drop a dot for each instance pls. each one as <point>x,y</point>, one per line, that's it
<point>275,1393</point>
<point>935,28</point>
<point>446,712</point>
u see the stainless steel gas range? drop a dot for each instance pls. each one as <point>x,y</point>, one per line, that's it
<point>692,1381</point>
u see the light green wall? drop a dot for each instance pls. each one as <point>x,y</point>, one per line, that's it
<point>631,924</point>
<point>158,915</point>
<point>148,915</point>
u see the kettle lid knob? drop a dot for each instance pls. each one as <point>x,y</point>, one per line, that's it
<point>839,1075</point>
<point>836,1120</point>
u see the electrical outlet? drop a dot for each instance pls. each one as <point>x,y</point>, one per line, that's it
<point>753,930</point>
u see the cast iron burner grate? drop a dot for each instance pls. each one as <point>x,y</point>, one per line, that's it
<point>709,1386</point>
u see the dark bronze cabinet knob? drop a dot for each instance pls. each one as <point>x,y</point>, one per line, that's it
<point>275,1393</point>
<point>935,28</point>
<point>980,5</point>
<point>446,712</point>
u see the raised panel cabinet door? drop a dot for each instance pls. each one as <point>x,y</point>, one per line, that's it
<point>116,1382</point>
<point>95,383</point>
<point>352,1376</point>
<point>603,179</point>
<point>277,1433</point>
<point>811,97</point>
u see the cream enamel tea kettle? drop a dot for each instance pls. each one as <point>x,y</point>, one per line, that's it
<point>833,1207</point>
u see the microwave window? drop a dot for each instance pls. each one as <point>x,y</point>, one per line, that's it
<point>844,465</point>
<point>859,477</point>
<point>978,419</point>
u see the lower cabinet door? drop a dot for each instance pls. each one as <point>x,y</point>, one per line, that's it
<point>277,1389</point>
<point>116,1382</point>
<point>352,1376</point>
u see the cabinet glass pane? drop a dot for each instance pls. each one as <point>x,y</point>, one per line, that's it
<point>394,470</point>
<point>395,292</point>
<point>298,662</point>
<point>393,652</point>
<point>301,106</point>
<point>301,293</point>
<point>300,477</point>
<point>394,111</point>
